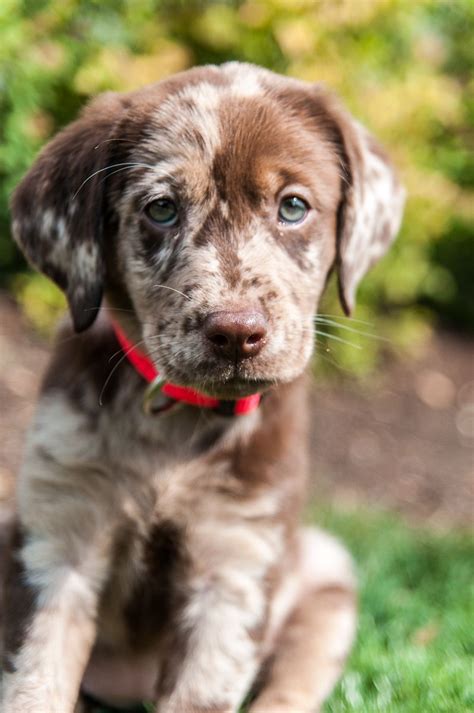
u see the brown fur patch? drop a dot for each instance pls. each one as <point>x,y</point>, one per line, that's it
<point>158,596</point>
<point>19,601</point>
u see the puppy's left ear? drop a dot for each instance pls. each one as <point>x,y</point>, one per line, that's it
<point>58,209</point>
<point>371,208</point>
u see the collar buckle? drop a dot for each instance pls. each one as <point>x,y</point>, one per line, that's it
<point>154,401</point>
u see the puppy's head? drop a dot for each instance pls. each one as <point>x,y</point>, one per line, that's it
<point>216,202</point>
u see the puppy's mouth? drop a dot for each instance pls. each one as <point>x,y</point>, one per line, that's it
<point>235,387</point>
<point>227,383</point>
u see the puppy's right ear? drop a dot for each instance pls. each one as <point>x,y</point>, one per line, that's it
<point>58,208</point>
<point>372,204</point>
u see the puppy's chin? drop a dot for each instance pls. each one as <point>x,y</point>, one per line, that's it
<point>235,388</point>
<point>229,381</point>
<point>226,385</point>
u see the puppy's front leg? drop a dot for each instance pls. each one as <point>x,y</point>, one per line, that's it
<point>216,657</point>
<point>48,649</point>
<point>317,632</point>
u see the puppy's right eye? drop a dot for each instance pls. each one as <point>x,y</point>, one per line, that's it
<point>163,212</point>
<point>292,210</point>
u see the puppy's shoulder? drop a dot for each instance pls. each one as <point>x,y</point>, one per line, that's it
<point>87,367</point>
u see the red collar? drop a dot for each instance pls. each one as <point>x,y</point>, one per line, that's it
<point>145,367</point>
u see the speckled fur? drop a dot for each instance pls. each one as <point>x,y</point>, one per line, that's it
<point>161,557</point>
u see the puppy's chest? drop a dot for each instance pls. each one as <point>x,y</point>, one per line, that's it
<point>157,573</point>
<point>147,577</point>
<point>200,531</point>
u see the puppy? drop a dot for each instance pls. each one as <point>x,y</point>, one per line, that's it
<point>158,554</point>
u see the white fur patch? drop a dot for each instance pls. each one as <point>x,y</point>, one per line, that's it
<point>194,106</point>
<point>219,617</point>
<point>50,574</point>
<point>50,664</point>
<point>325,561</point>
<point>48,219</point>
<point>86,257</point>
<point>377,214</point>
<point>246,82</point>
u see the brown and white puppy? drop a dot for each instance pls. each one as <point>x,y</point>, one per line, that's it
<point>159,557</point>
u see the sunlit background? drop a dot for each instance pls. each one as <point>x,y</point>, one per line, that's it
<point>393,404</point>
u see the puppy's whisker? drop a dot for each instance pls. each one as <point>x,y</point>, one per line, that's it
<point>343,317</point>
<point>332,323</point>
<point>330,360</point>
<point>160,336</point>
<point>124,356</point>
<point>126,168</point>
<point>107,141</point>
<point>106,168</point>
<point>173,289</point>
<point>336,338</point>
<point>130,349</point>
<point>109,309</point>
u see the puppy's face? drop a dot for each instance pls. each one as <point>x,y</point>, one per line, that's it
<point>227,232</point>
<point>227,195</point>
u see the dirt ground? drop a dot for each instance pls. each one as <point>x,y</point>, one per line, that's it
<point>403,442</point>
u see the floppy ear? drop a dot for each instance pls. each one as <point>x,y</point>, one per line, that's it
<point>58,208</point>
<point>371,208</point>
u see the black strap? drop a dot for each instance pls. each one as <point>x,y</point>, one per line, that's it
<point>225,408</point>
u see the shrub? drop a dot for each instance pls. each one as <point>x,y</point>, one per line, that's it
<point>404,68</point>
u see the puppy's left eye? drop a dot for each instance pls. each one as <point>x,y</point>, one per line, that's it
<point>163,211</point>
<point>292,210</point>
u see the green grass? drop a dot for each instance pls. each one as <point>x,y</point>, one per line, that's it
<point>415,640</point>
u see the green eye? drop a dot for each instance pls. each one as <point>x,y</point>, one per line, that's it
<point>163,211</point>
<point>292,210</point>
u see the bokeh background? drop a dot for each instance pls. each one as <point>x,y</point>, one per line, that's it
<point>393,403</point>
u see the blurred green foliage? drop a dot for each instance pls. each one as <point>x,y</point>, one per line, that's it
<point>403,67</point>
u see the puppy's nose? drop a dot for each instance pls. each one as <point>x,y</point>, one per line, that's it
<point>236,335</point>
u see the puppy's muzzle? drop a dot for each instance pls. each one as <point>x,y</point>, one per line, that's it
<point>235,335</point>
